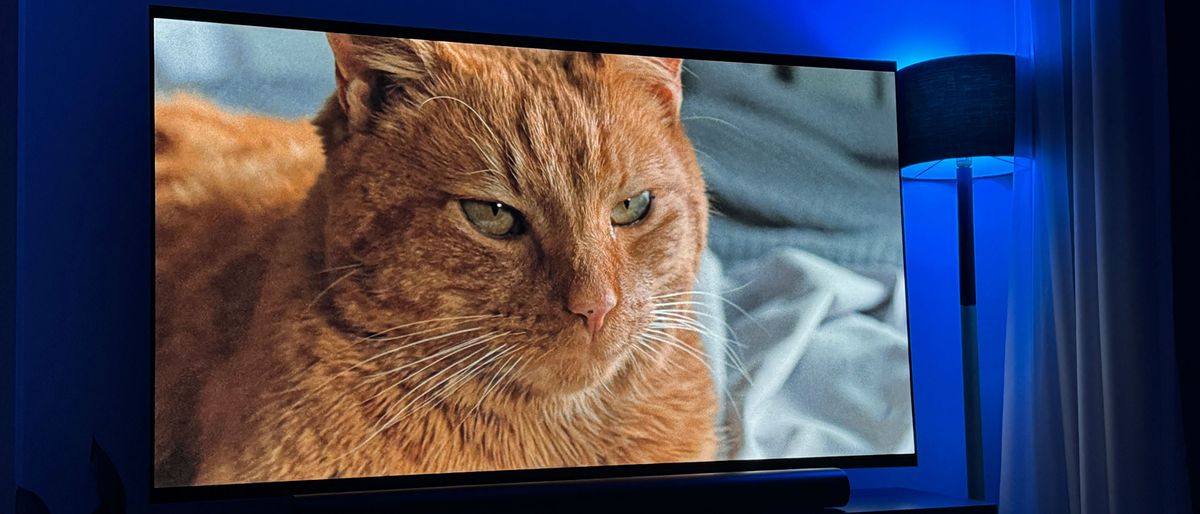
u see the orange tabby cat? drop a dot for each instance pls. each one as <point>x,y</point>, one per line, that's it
<point>487,270</point>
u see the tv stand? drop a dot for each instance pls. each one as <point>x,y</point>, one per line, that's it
<point>752,491</point>
<point>524,499</point>
<point>911,501</point>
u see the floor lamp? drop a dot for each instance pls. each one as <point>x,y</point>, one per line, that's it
<point>959,109</point>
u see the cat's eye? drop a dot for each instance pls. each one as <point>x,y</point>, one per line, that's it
<point>493,218</point>
<point>631,210</point>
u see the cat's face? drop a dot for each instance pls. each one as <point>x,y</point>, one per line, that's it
<point>508,202</point>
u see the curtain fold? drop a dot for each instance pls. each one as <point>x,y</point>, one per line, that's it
<point>1091,408</point>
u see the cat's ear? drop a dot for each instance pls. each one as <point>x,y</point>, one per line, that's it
<point>366,67</point>
<point>672,84</point>
<point>663,76</point>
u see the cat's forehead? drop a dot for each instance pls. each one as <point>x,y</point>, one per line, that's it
<point>540,121</point>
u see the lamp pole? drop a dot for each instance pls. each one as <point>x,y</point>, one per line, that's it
<point>973,423</point>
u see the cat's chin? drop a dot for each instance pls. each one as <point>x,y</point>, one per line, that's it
<point>549,383</point>
<point>575,368</point>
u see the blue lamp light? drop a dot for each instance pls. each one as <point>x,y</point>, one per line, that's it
<point>958,113</point>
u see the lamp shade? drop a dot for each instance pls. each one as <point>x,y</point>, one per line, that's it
<point>961,106</point>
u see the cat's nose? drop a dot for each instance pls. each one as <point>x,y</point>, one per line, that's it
<point>593,307</point>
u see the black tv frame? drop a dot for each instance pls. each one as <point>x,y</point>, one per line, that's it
<point>505,477</point>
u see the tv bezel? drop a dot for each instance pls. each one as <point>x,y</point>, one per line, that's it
<point>518,476</point>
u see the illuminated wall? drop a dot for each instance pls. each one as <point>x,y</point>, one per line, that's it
<point>83,352</point>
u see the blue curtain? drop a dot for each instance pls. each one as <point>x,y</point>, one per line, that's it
<point>1091,405</point>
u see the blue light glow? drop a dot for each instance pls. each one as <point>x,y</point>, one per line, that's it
<point>947,169</point>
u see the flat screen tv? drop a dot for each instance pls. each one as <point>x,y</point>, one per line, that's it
<point>393,258</point>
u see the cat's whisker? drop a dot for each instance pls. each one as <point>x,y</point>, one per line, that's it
<point>672,294</point>
<point>679,314</point>
<point>477,344</point>
<point>704,154</point>
<point>488,157</point>
<point>671,340</point>
<point>438,393</point>
<point>467,375</point>
<point>410,344</point>
<point>727,393</point>
<point>493,386</point>
<point>397,416</point>
<point>495,382</point>
<point>464,104</point>
<point>683,325</point>
<point>485,170</point>
<point>680,303</point>
<point>657,354</point>
<point>417,389</point>
<point>450,351</point>
<point>442,354</point>
<point>607,387</point>
<point>668,339</point>
<point>739,365</point>
<point>679,327</point>
<point>713,118</point>
<point>329,287</point>
<point>423,322</point>
<point>690,325</point>
<point>680,308</point>
<point>689,72</point>
<point>652,356</point>
<point>338,268</point>
<point>665,327</point>
<point>657,328</point>
<point>669,326</point>
<point>322,385</point>
<point>407,337</point>
<point>356,365</point>
<point>680,293</point>
<point>475,367</point>
<point>718,297</point>
<point>639,347</point>
<point>462,321</point>
<point>686,312</point>
<point>694,326</point>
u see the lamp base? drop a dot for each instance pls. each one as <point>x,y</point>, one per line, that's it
<point>971,408</point>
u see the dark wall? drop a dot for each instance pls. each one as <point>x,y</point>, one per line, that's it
<point>8,212</point>
<point>1181,20</point>
<point>83,319</point>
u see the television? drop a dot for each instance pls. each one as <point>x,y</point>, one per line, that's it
<point>395,258</point>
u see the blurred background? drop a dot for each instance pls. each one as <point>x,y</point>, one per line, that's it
<point>281,72</point>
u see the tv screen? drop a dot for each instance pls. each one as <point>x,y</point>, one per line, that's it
<point>405,257</point>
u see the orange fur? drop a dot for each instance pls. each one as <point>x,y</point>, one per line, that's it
<point>302,305</point>
<point>222,182</point>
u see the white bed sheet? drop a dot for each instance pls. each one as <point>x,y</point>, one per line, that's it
<point>824,350</point>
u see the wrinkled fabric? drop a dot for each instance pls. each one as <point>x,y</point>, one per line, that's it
<point>811,357</point>
<point>797,157</point>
